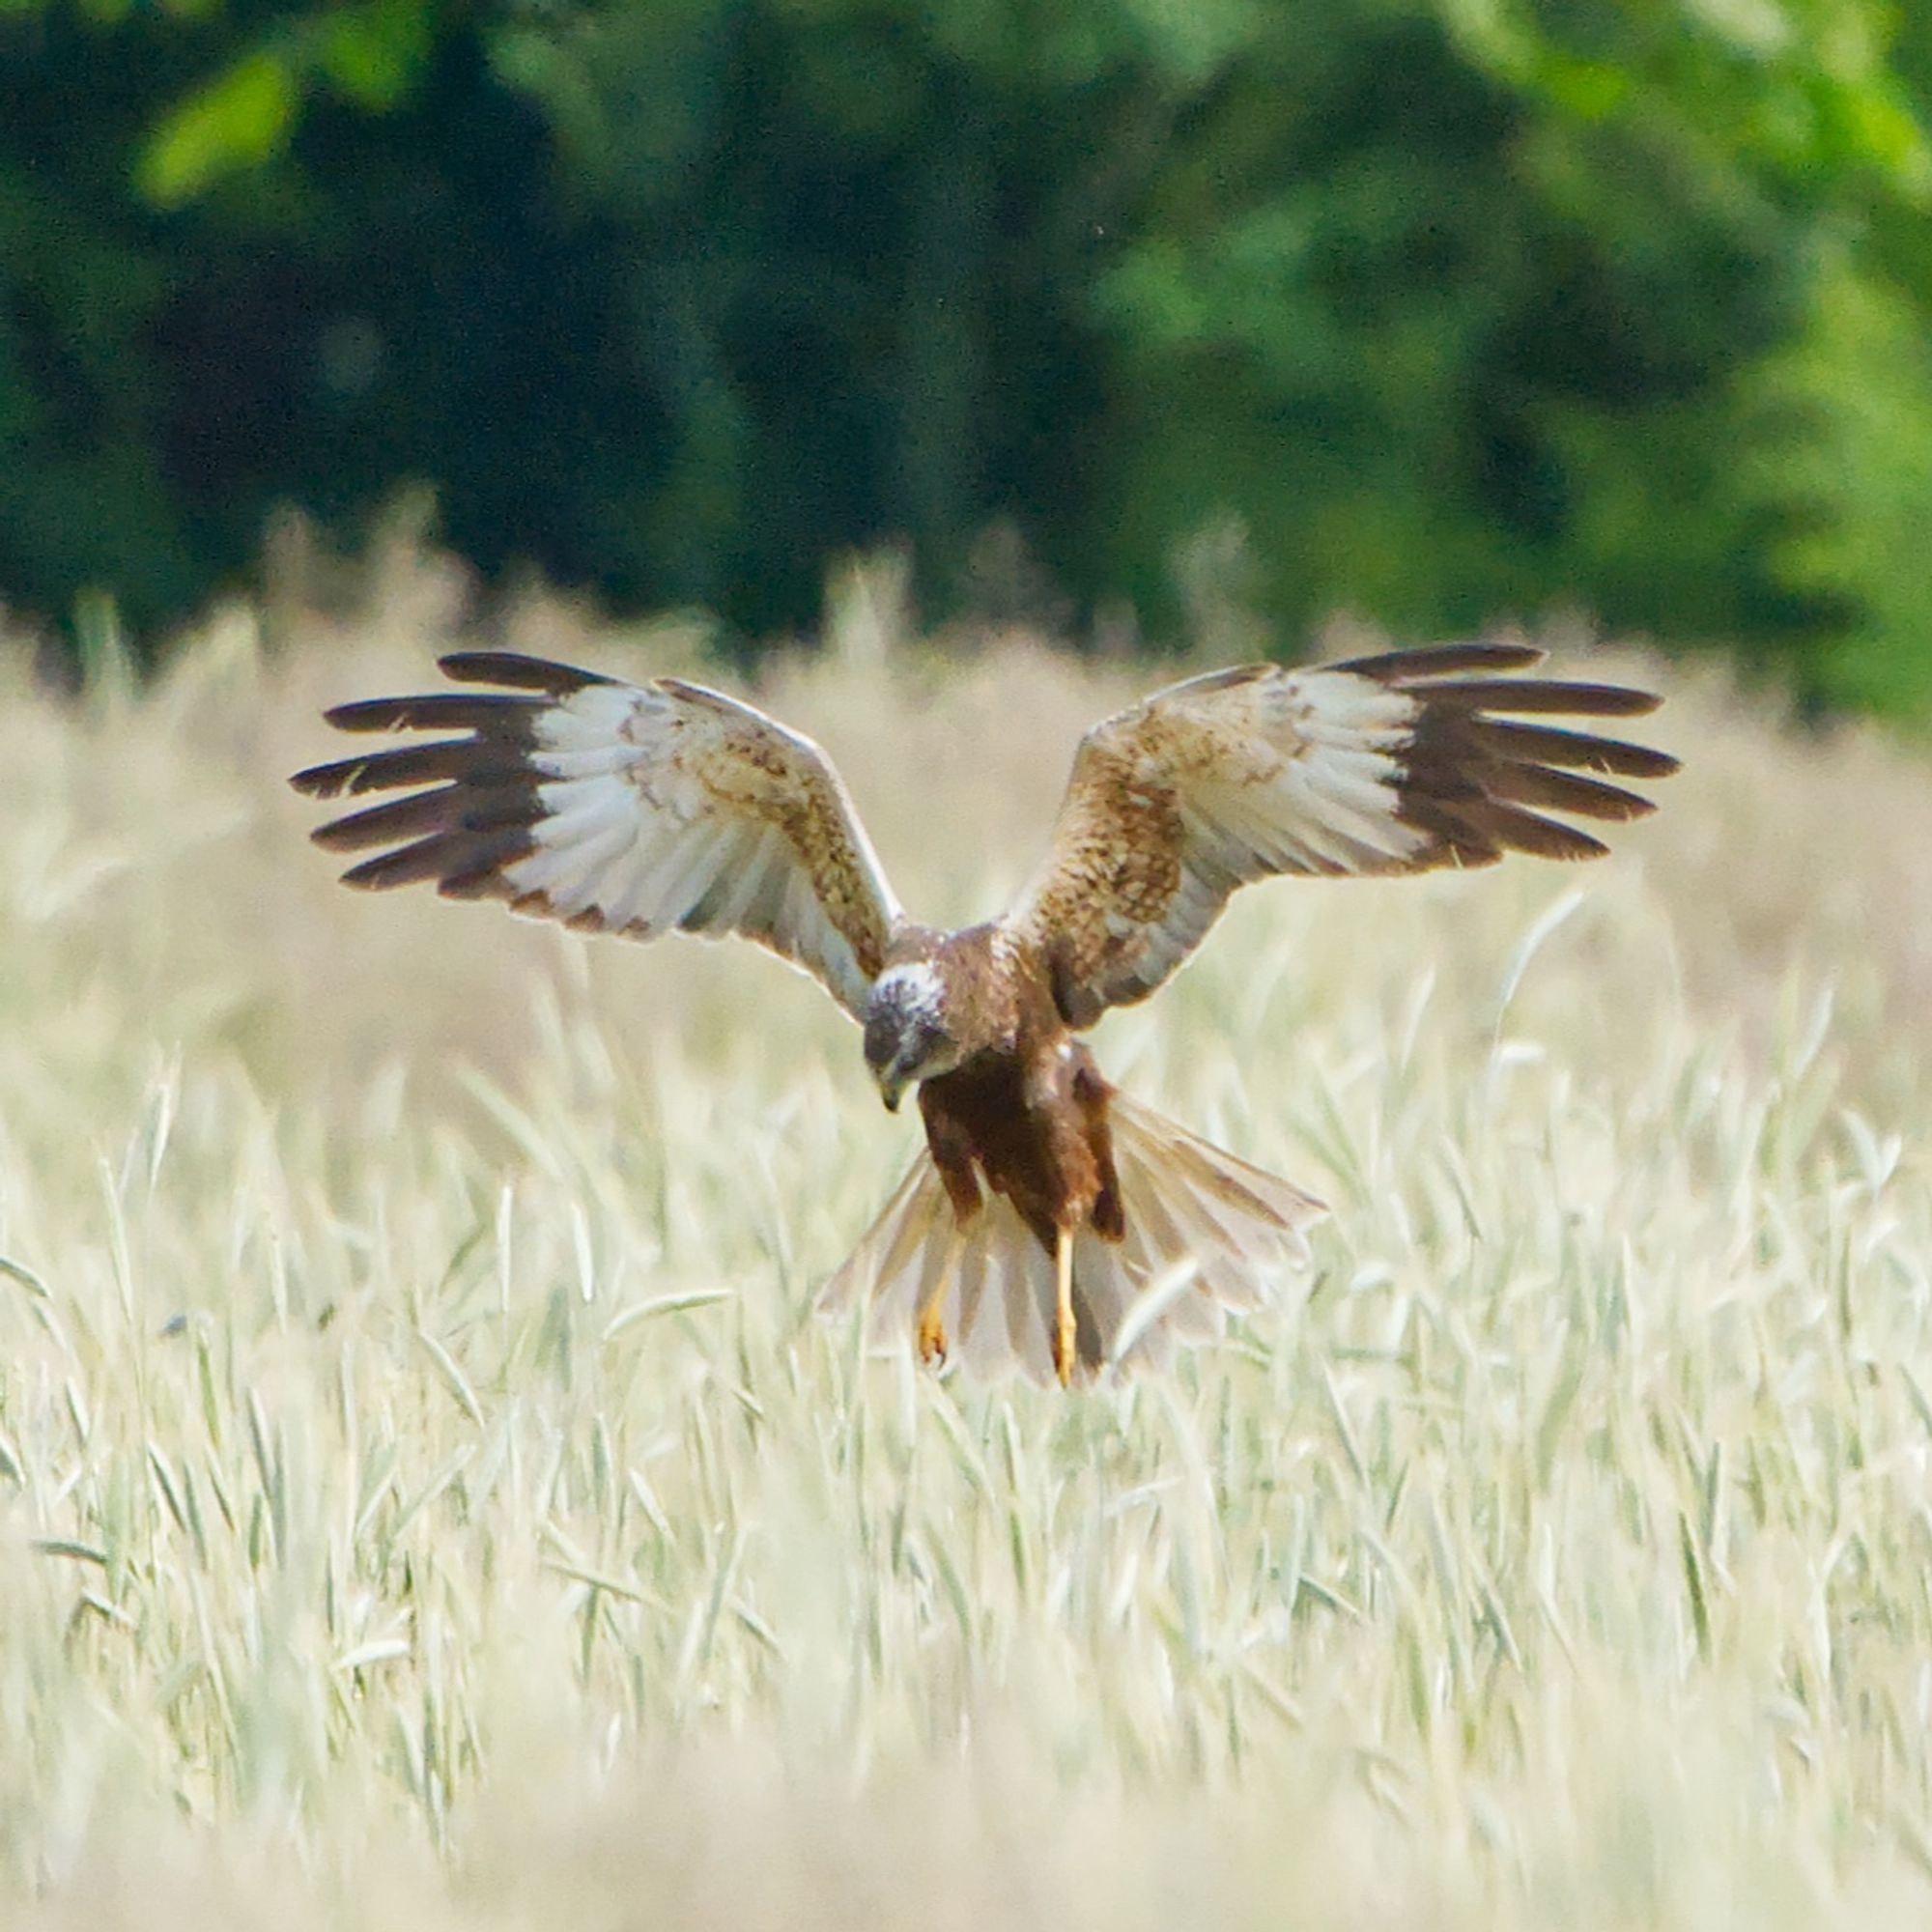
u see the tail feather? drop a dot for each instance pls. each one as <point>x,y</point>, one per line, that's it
<point>978,1334</point>
<point>1230,1227</point>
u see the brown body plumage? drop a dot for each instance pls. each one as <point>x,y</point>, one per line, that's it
<point>1101,1230</point>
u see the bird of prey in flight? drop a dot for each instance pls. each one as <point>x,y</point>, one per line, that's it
<point>1048,1216</point>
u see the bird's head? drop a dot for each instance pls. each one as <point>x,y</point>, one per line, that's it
<point>907,1037</point>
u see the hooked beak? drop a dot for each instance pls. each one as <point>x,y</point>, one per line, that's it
<point>891,1088</point>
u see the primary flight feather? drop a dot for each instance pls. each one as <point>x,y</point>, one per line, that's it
<point>1048,1217</point>
<point>636,808</point>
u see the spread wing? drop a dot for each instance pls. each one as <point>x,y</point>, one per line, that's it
<point>634,808</point>
<point>1398,763</point>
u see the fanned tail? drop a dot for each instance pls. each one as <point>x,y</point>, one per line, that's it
<point>1206,1233</point>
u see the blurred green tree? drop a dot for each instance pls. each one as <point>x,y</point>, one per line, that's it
<point>1450,309</point>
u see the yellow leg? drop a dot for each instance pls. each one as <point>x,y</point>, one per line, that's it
<point>1063,1354</point>
<point>931,1332</point>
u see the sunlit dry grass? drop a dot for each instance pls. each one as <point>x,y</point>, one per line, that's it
<point>427,1497</point>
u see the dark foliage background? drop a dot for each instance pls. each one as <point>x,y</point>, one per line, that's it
<point>1436,311</point>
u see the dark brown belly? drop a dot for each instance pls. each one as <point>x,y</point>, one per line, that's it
<point>1036,1134</point>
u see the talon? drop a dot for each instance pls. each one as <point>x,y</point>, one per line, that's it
<point>1065,1351</point>
<point>931,1329</point>
<point>932,1339</point>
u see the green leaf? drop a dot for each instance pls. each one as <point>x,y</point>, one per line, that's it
<point>1885,130</point>
<point>236,121</point>
<point>373,52</point>
<point>1591,90</point>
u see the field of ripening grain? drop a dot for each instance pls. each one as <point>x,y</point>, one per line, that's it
<point>427,1497</point>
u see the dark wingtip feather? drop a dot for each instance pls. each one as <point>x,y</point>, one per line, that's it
<point>482,797</point>
<point>332,839</point>
<point>443,855</point>
<point>450,807</point>
<point>321,781</point>
<point>354,775</point>
<point>1480,783</point>
<point>470,759</point>
<point>418,815</point>
<point>1531,832</point>
<point>374,875</point>
<point>1550,744</point>
<point>1436,661</point>
<point>486,883</point>
<point>513,670</point>
<point>1510,693</point>
<point>1566,791</point>
<point>491,712</point>
<point>370,714</point>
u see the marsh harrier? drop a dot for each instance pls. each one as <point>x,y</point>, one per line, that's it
<point>1048,1215</point>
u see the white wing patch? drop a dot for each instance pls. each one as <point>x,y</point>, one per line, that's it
<point>1383,765</point>
<point>638,809</point>
<point>641,837</point>
<point>1315,790</point>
